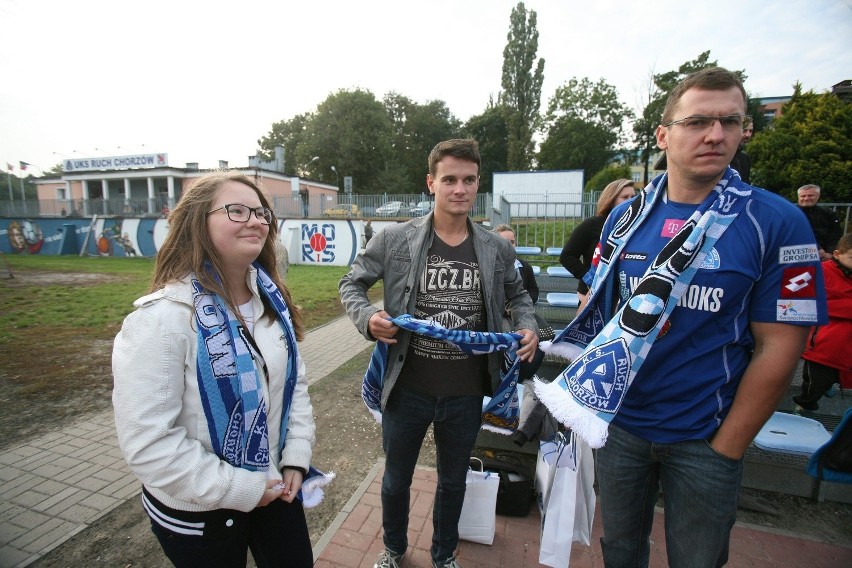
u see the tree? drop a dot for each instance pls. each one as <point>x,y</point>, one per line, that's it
<point>520,97</point>
<point>287,133</point>
<point>662,84</point>
<point>584,125</point>
<point>489,129</point>
<point>416,130</point>
<point>811,142</point>
<point>352,131</point>
<point>609,174</point>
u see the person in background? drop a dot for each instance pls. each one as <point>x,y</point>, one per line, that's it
<point>368,231</point>
<point>524,268</point>
<point>578,251</point>
<point>826,355</point>
<point>210,395</point>
<point>710,374</point>
<point>444,268</point>
<point>825,225</point>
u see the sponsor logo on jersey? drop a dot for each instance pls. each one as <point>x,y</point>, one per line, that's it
<point>640,256</point>
<point>796,310</point>
<point>799,282</point>
<point>671,227</point>
<point>798,253</point>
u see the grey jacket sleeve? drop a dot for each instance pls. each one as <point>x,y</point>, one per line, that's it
<point>367,269</point>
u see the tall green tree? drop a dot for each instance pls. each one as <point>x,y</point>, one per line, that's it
<point>811,142</point>
<point>352,131</point>
<point>287,133</point>
<point>584,125</point>
<point>489,129</point>
<point>521,82</point>
<point>416,130</point>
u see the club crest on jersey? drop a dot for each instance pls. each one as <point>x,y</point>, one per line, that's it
<point>712,261</point>
<point>599,379</point>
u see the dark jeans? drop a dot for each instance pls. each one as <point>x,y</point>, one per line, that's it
<point>816,381</point>
<point>277,535</point>
<point>455,421</point>
<point>700,488</point>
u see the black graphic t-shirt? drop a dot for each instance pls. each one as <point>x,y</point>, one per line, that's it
<point>449,293</point>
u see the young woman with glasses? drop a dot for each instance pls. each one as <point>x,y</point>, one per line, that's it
<point>211,401</point>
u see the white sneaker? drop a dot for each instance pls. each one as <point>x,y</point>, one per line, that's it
<point>451,563</point>
<point>388,559</point>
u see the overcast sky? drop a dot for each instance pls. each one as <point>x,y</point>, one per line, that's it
<point>203,80</point>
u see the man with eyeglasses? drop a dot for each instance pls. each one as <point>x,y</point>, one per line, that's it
<point>720,343</point>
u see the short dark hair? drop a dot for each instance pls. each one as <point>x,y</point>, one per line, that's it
<point>461,148</point>
<point>707,79</point>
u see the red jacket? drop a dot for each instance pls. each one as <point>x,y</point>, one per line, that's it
<point>830,344</point>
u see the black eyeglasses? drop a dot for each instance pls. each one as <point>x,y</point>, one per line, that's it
<point>239,213</point>
<point>700,123</point>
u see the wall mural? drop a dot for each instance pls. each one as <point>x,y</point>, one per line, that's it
<point>308,241</point>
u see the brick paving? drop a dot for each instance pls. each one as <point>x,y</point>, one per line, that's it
<point>55,486</point>
<point>355,538</point>
<point>58,484</point>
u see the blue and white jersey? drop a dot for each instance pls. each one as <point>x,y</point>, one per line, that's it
<point>764,268</point>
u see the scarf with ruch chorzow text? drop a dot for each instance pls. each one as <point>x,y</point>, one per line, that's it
<point>230,386</point>
<point>501,414</point>
<point>606,353</point>
<point>229,381</point>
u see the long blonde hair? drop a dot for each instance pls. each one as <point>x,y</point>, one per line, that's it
<point>188,248</point>
<point>606,202</point>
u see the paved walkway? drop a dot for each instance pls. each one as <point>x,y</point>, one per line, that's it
<point>354,538</point>
<point>56,485</point>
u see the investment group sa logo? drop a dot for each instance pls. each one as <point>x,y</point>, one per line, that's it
<point>318,242</point>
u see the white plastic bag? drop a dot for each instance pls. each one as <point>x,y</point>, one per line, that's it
<point>478,520</point>
<point>565,476</point>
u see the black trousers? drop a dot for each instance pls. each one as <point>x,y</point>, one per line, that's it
<point>276,534</point>
<point>816,380</point>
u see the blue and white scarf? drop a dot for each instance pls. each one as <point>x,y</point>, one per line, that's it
<point>606,356</point>
<point>230,384</point>
<point>501,414</point>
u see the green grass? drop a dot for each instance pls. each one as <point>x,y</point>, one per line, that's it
<point>42,297</point>
<point>59,317</point>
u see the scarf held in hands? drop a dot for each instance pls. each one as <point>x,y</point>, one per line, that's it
<point>606,356</point>
<point>501,414</point>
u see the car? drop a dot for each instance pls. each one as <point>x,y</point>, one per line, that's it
<point>343,210</point>
<point>422,208</point>
<point>392,209</point>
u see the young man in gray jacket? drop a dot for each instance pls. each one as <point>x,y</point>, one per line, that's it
<point>443,268</point>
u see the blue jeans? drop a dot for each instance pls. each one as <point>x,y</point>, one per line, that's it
<point>405,419</point>
<point>700,488</point>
